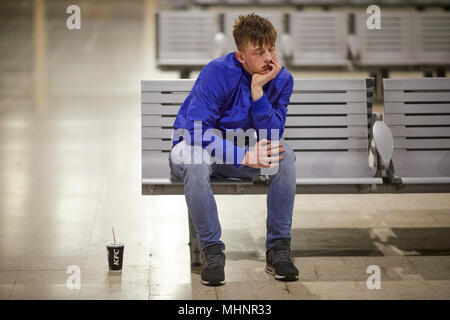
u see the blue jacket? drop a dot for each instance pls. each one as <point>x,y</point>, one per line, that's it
<point>221,99</point>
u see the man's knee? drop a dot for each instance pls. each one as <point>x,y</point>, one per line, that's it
<point>288,155</point>
<point>197,173</point>
<point>287,164</point>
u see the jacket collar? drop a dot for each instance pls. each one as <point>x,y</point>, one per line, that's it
<point>245,75</point>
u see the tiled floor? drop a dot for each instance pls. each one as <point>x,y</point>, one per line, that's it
<point>70,170</point>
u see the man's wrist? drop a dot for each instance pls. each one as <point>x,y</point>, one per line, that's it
<point>244,161</point>
<point>257,91</point>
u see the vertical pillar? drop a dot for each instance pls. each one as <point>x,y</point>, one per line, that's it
<point>39,56</point>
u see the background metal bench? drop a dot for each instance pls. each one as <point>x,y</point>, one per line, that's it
<point>327,126</point>
<point>381,50</point>
<point>433,40</point>
<point>185,39</point>
<point>417,112</point>
<point>408,39</point>
<point>318,38</point>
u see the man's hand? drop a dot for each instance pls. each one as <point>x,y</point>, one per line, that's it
<point>258,79</point>
<point>262,155</point>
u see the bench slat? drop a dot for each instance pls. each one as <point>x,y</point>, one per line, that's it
<point>421,143</point>
<point>400,119</point>
<point>332,164</point>
<point>353,132</point>
<point>416,84</point>
<point>425,180</point>
<point>392,96</point>
<point>328,144</point>
<point>159,109</point>
<point>422,163</point>
<point>158,97</point>
<point>400,107</point>
<point>349,108</point>
<point>326,132</point>
<point>402,131</point>
<point>309,166</point>
<point>349,96</point>
<point>293,109</point>
<point>339,181</point>
<point>353,119</point>
<point>157,121</point>
<point>156,132</point>
<point>315,84</point>
<point>184,85</point>
<point>158,144</point>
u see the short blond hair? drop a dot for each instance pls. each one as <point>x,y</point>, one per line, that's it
<point>254,29</point>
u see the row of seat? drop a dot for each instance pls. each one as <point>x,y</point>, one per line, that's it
<point>331,127</point>
<point>312,38</point>
<point>318,38</point>
<point>319,2</point>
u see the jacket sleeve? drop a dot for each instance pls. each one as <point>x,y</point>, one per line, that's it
<point>207,97</point>
<point>267,116</point>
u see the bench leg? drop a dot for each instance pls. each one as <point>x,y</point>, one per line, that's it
<point>194,244</point>
<point>440,72</point>
<point>379,75</point>
<point>185,74</point>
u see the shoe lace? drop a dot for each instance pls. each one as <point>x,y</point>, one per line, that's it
<point>283,256</point>
<point>213,259</point>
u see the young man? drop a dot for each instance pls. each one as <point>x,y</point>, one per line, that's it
<point>246,89</point>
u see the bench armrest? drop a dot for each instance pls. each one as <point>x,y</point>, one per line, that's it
<point>353,47</point>
<point>383,146</point>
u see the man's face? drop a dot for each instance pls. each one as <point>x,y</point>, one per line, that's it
<point>255,59</point>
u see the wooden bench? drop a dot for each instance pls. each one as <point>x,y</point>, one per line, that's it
<point>327,125</point>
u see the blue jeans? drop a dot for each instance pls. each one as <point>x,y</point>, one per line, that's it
<point>202,205</point>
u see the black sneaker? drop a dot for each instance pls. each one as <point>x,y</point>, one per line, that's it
<point>213,273</point>
<point>279,263</point>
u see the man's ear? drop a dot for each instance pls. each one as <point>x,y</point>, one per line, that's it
<point>240,56</point>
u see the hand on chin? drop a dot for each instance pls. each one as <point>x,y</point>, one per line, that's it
<point>265,70</point>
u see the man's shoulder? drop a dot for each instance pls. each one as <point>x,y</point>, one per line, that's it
<point>221,73</point>
<point>223,65</point>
